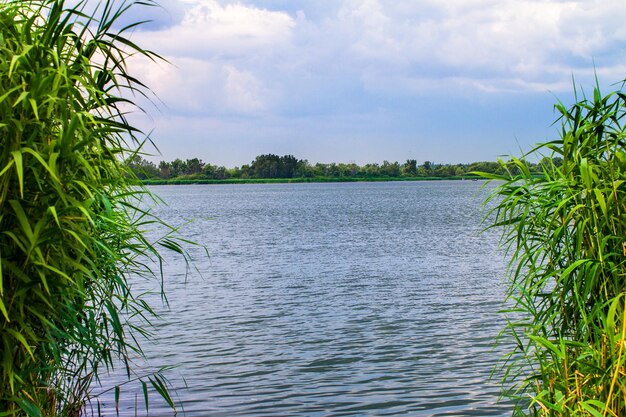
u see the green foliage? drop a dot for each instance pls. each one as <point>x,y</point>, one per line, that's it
<point>566,234</point>
<point>410,167</point>
<point>272,166</point>
<point>142,168</point>
<point>70,222</point>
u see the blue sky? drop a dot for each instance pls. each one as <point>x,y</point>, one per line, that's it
<point>370,80</point>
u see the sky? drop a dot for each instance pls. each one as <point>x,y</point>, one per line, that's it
<point>365,81</point>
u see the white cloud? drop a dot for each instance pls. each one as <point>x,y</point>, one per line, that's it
<point>214,53</point>
<point>240,58</point>
<point>195,87</point>
<point>211,29</point>
<point>372,29</point>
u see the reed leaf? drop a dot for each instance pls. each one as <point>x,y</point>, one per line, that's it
<point>564,231</point>
<point>71,216</point>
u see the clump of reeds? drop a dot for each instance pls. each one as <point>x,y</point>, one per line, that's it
<point>566,234</point>
<point>70,222</point>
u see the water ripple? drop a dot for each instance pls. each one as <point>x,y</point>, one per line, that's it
<point>332,300</point>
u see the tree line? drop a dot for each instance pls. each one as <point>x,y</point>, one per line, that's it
<point>270,166</point>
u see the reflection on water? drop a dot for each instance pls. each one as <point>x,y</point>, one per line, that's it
<point>332,300</point>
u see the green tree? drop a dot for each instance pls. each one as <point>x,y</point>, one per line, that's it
<point>193,166</point>
<point>142,168</point>
<point>303,169</point>
<point>390,169</point>
<point>246,171</point>
<point>165,169</point>
<point>488,167</point>
<point>178,167</point>
<point>460,170</point>
<point>70,231</point>
<point>266,166</point>
<point>287,166</point>
<point>332,170</point>
<point>410,168</point>
<point>371,170</point>
<point>221,173</point>
<point>208,171</point>
<point>347,170</point>
<point>445,170</point>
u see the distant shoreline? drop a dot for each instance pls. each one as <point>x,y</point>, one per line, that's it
<point>301,180</point>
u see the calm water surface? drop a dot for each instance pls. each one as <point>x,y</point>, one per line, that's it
<point>331,300</point>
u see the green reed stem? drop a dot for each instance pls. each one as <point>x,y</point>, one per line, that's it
<point>565,232</point>
<point>71,226</point>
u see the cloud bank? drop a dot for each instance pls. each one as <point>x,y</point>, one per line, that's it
<point>368,71</point>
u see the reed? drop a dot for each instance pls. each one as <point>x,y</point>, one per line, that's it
<point>566,234</point>
<point>71,223</point>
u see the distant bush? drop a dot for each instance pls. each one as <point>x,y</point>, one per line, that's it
<point>272,166</point>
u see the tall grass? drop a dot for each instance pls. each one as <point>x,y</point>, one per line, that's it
<point>566,234</point>
<point>71,226</point>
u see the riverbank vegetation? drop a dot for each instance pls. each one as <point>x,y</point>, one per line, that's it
<point>287,168</point>
<point>71,222</point>
<point>566,233</point>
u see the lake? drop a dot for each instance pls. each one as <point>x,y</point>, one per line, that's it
<point>338,299</point>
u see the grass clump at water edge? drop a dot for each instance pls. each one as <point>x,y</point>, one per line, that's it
<point>566,233</point>
<point>70,223</point>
